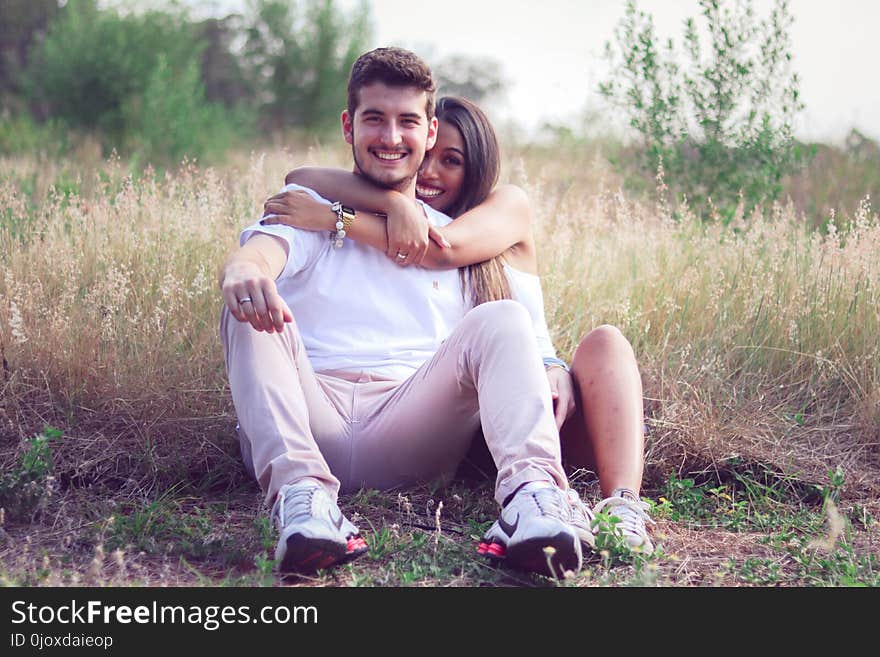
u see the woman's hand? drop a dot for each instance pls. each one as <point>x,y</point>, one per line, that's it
<point>299,209</point>
<point>562,391</point>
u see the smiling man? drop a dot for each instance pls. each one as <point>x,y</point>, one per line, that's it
<point>349,372</point>
<point>388,139</point>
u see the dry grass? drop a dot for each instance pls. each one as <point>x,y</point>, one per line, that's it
<point>758,342</point>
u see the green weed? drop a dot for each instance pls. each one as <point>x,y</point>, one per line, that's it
<point>685,500</point>
<point>265,569</point>
<point>27,488</point>
<point>166,526</point>
<point>265,532</point>
<point>755,570</point>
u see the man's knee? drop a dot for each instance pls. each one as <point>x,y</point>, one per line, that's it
<point>228,323</point>
<point>505,315</point>
<point>232,331</point>
<point>230,326</point>
<point>246,347</point>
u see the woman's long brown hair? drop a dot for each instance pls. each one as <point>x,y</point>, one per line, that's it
<point>482,163</point>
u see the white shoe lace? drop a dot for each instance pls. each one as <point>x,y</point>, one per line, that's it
<point>582,515</point>
<point>633,516</point>
<point>548,498</point>
<point>288,499</point>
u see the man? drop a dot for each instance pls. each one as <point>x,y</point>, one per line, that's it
<point>347,371</point>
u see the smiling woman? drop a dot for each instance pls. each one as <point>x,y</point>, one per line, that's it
<point>464,163</point>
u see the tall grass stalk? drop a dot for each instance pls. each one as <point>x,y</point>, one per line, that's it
<point>757,340</point>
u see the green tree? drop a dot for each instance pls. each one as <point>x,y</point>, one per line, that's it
<point>133,78</point>
<point>172,119</point>
<point>93,60</point>
<point>21,21</point>
<point>721,124</point>
<point>301,54</point>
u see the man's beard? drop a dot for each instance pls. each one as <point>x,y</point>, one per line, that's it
<point>397,185</point>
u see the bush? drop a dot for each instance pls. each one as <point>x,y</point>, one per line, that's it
<point>135,78</point>
<point>837,180</point>
<point>172,119</point>
<point>92,60</point>
<point>302,54</point>
<point>720,128</point>
<point>20,133</point>
<point>138,79</point>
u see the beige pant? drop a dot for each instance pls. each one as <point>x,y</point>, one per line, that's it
<point>350,430</point>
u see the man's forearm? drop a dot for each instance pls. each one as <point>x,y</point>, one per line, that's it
<point>244,259</point>
<point>262,254</point>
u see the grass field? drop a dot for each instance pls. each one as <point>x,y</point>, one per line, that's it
<point>758,344</point>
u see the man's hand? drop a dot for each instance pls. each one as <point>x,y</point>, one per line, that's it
<point>562,391</point>
<point>409,233</point>
<point>249,287</point>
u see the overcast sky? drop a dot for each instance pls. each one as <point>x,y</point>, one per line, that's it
<point>551,51</point>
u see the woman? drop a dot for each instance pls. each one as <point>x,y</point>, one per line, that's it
<point>598,403</point>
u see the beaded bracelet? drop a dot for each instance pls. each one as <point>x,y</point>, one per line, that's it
<point>344,219</point>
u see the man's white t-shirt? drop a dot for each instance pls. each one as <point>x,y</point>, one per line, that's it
<point>358,311</point>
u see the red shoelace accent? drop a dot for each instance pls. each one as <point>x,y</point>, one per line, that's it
<point>491,550</point>
<point>356,543</point>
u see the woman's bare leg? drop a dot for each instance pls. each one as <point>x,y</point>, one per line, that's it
<point>606,433</point>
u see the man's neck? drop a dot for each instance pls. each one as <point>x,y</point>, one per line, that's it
<point>407,189</point>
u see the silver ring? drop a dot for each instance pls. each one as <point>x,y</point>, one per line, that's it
<point>401,256</point>
<point>245,300</point>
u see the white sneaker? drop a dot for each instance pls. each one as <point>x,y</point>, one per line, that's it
<point>538,517</point>
<point>494,542</point>
<point>633,516</point>
<point>313,532</point>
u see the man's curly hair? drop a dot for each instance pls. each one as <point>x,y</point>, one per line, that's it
<point>394,67</point>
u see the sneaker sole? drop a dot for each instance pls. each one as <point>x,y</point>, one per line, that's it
<point>529,555</point>
<point>307,555</point>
